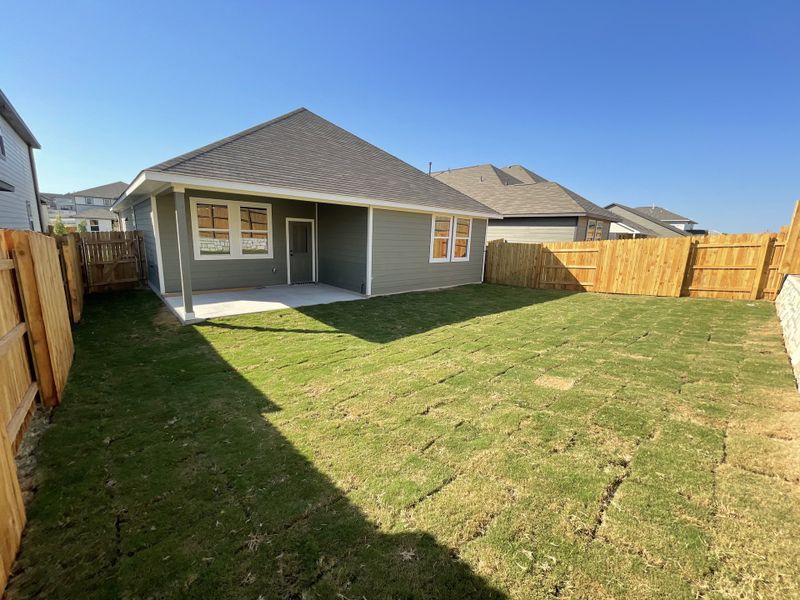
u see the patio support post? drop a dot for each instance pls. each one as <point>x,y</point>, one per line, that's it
<point>368,283</point>
<point>184,251</point>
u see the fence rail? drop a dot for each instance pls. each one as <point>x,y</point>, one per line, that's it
<point>741,266</point>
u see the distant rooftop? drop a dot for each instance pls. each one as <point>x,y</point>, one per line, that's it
<point>662,214</point>
<point>109,190</point>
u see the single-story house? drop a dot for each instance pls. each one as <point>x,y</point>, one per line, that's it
<point>634,223</point>
<point>19,189</point>
<point>298,200</point>
<point>533,208</point>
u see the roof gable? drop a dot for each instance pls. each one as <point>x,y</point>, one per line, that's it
<point>305,152</point>
<point>635,216</point>
<point>108,190</point>
<point>662,214</point>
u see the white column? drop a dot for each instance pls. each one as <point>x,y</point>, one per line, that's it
<point>184,251</point>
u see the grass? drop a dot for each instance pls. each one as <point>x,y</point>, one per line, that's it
<point>484,442</point>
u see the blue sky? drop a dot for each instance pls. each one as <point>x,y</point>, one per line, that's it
<point>690,105</point>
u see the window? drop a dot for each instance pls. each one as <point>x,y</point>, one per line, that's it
<point>594,230</point>
<point>230,229</point>
<point>254,230</point>
<point>2,146</point>
<point>450,238</point>
<point>440,241</point>
<point>94,225</point>
<point>462,233</point>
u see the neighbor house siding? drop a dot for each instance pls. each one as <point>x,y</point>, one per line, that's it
<point>227,273</point>
<point>401,243</point>
<point>530,230</point>
<point>144,223</point>
<point>342,252</point>
<point>16,169</point>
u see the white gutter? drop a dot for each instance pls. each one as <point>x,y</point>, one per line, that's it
<point>279,192</point>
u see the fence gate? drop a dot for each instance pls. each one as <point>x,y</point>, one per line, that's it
<point>113,260</point>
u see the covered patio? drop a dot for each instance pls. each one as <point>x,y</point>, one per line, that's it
<point>227,303</point>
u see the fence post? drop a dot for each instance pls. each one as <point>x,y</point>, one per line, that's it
<point>761,266</point>
<point>682,279</point>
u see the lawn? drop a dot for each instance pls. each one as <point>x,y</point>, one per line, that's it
<point>485,441</point>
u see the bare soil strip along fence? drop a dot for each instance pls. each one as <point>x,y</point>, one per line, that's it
<point>741,266</point>
<point>35,357</point>
<point>43,280</point>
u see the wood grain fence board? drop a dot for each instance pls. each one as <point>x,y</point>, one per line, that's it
<point>54,307</point>
<point>12,509</point>
<point>74,276</point>
<point>790,262</point>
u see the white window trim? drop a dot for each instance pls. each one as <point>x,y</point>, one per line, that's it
<point>234,229</point>
<point>450,239</point>
<point>456,237</point>
<point>433,238</point>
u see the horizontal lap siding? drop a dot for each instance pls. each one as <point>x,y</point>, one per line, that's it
<point>401,244</point>
<point>144,223</point>
<point>15,169</point>
<point>342,253</point>
<point>530,230</point>
<point>228,273</point>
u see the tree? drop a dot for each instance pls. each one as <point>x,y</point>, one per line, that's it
<point>82,226</point>
<point>58,226</point>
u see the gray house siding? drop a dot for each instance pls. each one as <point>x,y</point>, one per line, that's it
<point>20,207</point>
<point>144,223</point>
<point>401,243</point>
<point>533,229</point>
<point>342,252</point>
<point>229,273</point>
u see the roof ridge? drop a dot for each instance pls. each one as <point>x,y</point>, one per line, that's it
<point>182,158</point>
<point>652,219</point>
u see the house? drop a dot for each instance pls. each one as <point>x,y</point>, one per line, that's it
<point>298,200</point>
<point>634,223</point>
<point>533,208</point>
<point>668,217</point>
<point>92,205</point>
<point>19,188</point>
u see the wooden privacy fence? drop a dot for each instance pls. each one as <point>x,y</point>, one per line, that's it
<point>742,266</point>
<point>35,356</point>
<point>100,262</point>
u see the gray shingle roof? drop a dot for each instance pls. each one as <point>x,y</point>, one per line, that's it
<point>96,213</point>
<point>635,218</point>
<point>662,214</point>
<point>516,191</point>
<point>109,190</point>
<point>305,152</point>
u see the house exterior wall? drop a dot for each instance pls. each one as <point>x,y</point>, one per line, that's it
<point>788,306</point>
<point>144,223</point>
<point>401,243</point>
<point>226,273</point>
<point>20,207</point>
<point>530,230</point>
<point>342,251</point>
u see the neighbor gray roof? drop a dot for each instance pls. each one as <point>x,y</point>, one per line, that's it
<point>519,192</point>
<point>109,190</point>
<point>633,217</point>
<point>302,151</point>
<point>662,214</point>
<point>96,213</point>
<point>9,113</point>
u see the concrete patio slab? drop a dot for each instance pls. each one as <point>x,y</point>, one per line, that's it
<point>238,302</point>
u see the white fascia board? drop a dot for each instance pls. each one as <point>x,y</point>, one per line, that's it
<point>203,183</point>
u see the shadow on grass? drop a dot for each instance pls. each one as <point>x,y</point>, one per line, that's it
<point>162,477</point>
<point>389,318</point>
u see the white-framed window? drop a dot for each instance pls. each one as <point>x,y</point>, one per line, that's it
<point>462,234</point>
<point>450,238</point>
<point>441,229</point>
<point>225,229</point>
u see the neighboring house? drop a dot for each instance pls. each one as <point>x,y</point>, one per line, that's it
<point>634,223</point>
<point>92,205</point>
<point>19,189</point>
<point>533,208</point>
<point>299,200</point>
<point>668,217</point>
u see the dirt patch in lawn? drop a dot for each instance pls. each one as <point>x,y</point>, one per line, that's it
<point>555,383</point>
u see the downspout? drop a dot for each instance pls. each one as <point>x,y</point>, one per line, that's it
<point>43,218</point>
